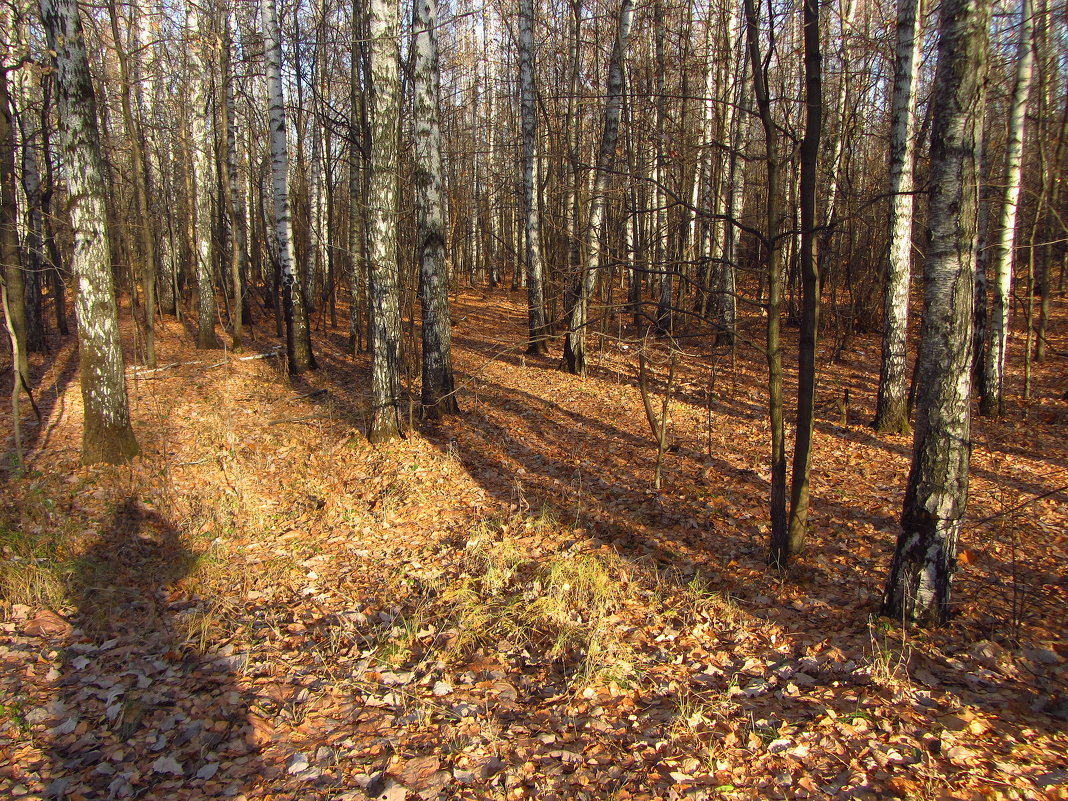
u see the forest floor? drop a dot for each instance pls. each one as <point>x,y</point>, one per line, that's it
<point>500,606</point>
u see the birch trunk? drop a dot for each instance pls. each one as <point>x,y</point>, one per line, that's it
<point>575,344</point>
<point>536,323</point>
<point>383,269</point>
<point>106,435</point>
<point>438,395</point>
<point>892,406</point>
<point>926,555</point>
<point>235,204</point>
<point>1002,249</point>
<point>298,336</point>
<point>200,198</point>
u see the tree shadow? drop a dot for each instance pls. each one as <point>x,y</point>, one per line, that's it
<point>139,711</point>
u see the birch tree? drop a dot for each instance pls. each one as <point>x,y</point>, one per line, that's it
<point>892,408</point>
<point>383,270</point>
<point>132,124</point>
<point>536,323</point>
<point>438,394</point>
<point>1002,249</point>
<point>106,435</point>
<point>298,335</point>
<point>197,22</point>
<point>925,558</point>
<point>575,343</point>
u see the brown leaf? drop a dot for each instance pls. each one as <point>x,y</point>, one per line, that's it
<point>260,731</point>
<point>417,772</point>
<point>47,624</point>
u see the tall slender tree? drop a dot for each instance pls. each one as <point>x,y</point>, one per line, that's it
<point>438,395</point>
<point>575,344</point>
<point>1002,248</point>
<point>772,244</point>
<point>892,407</point>
<point>107,435</point>
<point>198,24</point>
<point>383,272</point>
<point>298,334</point>
<point>535,269</point>
<point>937,493</point>
<point>810,291</point>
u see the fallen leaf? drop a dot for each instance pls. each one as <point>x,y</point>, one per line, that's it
<point>47,624</point>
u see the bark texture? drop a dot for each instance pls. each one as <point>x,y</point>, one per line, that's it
<point>1001,256</point>
<point>536,323</point>
<point>921,574</point>
<point>438,394</point>
<point>107,435</point>
<point>298,334</point>
<point>385,339</point>
<point>892,407</point>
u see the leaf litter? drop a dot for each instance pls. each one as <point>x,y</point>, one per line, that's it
<point>500,605</point>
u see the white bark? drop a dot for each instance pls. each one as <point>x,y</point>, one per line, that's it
<point>438,393</point>
<point>107,435</point>
<point>531,206</point>
<point>298,343</point>
<point>200,144</point>
<point>383,27</point>
<point>1002,249</point>
<point>892,405</point>
<point>937,492</point>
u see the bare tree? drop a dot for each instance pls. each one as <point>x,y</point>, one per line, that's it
<point>298,335</point>
<point>926,555</point>
<point>438,396</point>
<point>892,409</point>
<point>1002,249</point>
<point>537,326</point>
<point>107,435</point>
<point>575,344</point>
<point>385,339</point>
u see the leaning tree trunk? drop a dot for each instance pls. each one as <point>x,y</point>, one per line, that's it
<point>810,292</point>
<point>892,406</point>
<point>925,559</point>
<point>536,324</point>
<point>575,344</point>
<point>107,435</point>
<point>298,334</point>
<point>990,404</point>
<point>439,395</point>
<point>385,339</point>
